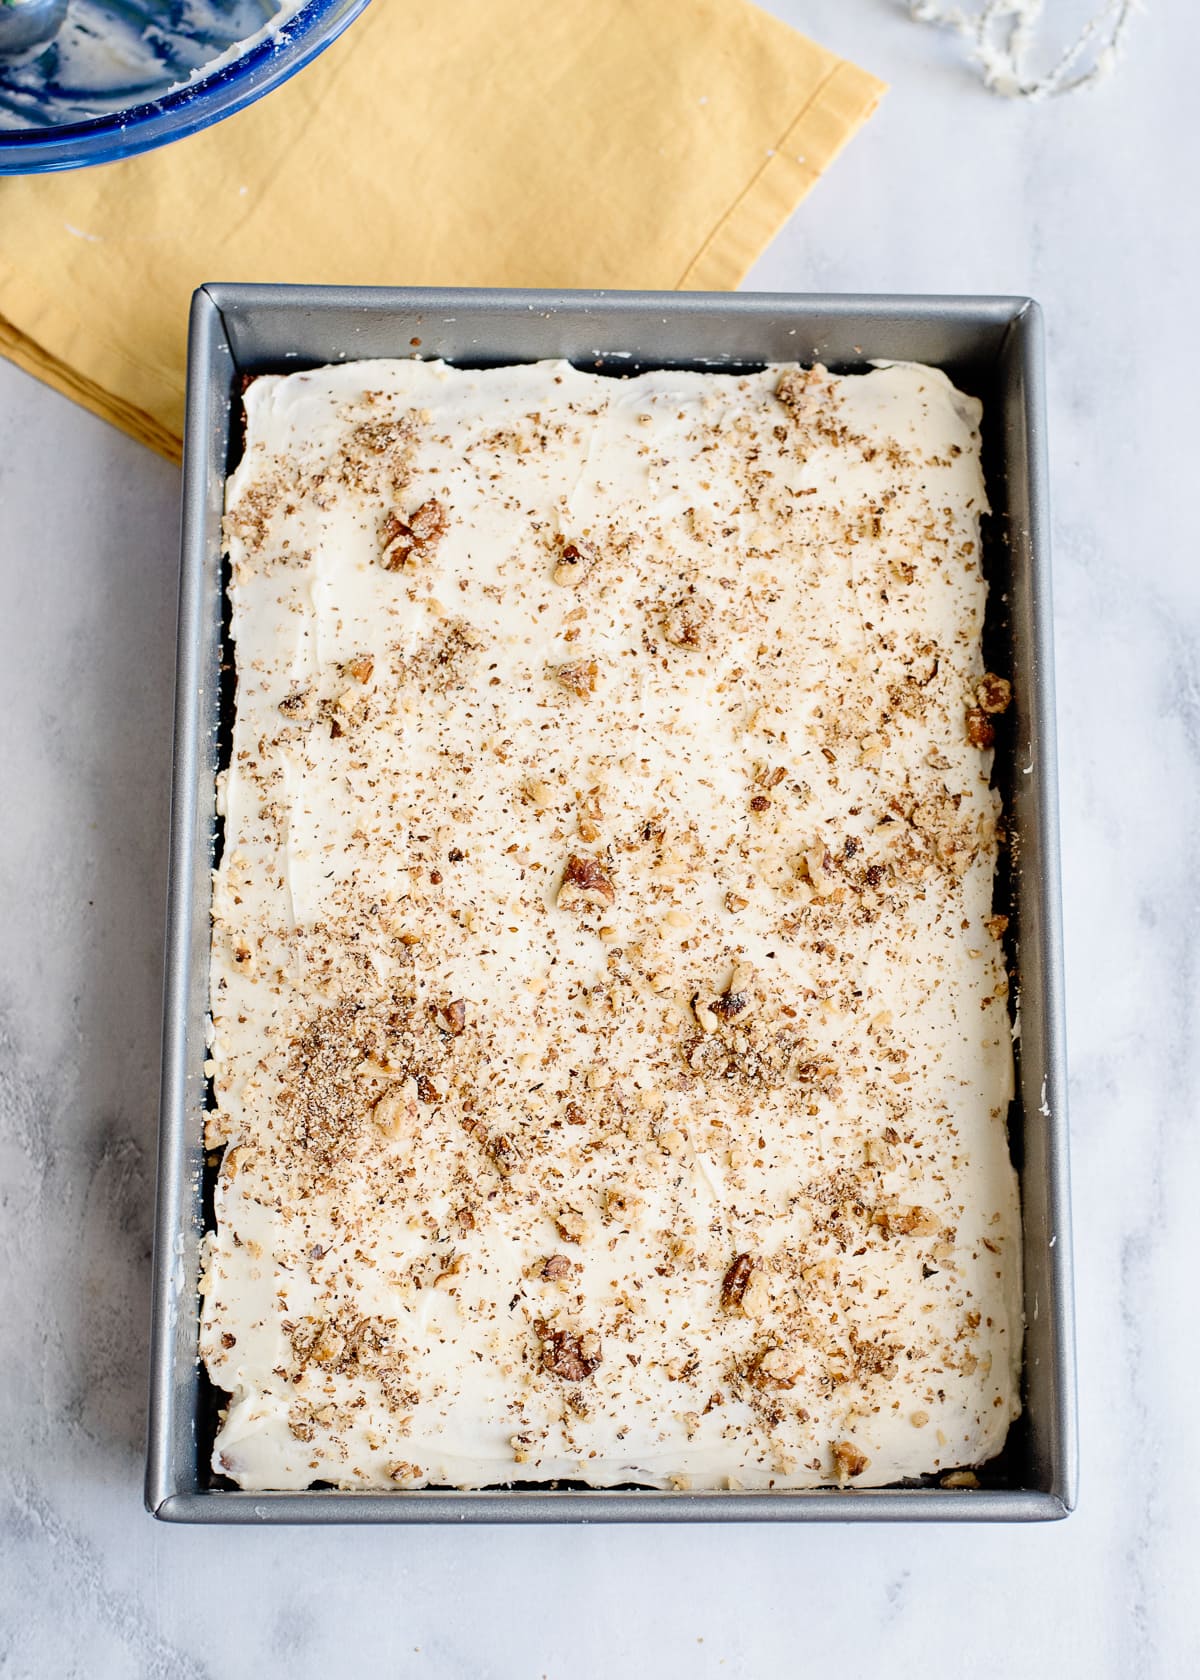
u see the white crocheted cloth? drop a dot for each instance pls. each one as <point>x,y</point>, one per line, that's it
<point>1002,37</point>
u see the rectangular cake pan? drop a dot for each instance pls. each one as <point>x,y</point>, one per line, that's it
<point>990,347</point>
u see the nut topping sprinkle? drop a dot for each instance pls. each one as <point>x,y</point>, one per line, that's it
<point>585,884</point>
<point>413,539</point>
<point>571,1357</point>
<point>578,677</point>
<point>575,561</point>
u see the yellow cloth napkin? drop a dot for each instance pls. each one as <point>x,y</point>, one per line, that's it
<point>606,143</point>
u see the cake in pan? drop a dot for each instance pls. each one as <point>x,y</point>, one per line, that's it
<point>610,1042</point>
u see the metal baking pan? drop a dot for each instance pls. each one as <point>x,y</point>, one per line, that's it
<point>991,347</point>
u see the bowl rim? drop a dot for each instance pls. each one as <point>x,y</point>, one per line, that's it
<point>188,108</point>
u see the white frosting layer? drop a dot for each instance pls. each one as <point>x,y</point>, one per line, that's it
<point>703,1180</point>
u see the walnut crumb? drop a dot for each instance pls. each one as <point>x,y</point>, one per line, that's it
<point>960,1479</point>
<point>735,1001</point>
<point>993,694</point>
<point>454,1014</point>
<point>360,667</point>
<point>585,883</point>
<point>792,389</point>
<point>577,677</point>
<point>575,561</point>
<point>980,730</point>
<point>566,1355</point>
<point>403,1472</point>
<point>776,1367</point>
<point>301,703</point>
<point>571,1225</point>
<point>413,539</point>
<point>744,1288</point>
<point>684,622</point>
<point>397,1111</point>
<point>848,1461</point>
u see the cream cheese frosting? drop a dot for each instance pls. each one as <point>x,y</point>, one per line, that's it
<point>609,1029</point>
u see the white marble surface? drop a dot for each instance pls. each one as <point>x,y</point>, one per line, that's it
<point>1090,205</point>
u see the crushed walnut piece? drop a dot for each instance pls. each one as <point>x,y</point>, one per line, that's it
<point>578,676</point>
<point>454,1016</point>
<point>744,1289</point>
<point>567,1355</point>
<point>684,622</point>
<point>585,884</point>
<point>360,667</point>
<point>981,732</point>
<point>575,561</point>
<point>791,390</point>
<point>415,538</point>
<point>848,1461</point>
<point>994,694</point>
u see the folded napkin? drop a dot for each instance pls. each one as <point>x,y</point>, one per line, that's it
<point>605,143</point>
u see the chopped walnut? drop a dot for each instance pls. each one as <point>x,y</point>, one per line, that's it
<point>905,1222</point>
<point>744,1289</point>
<point>993,694</point>
<point>684,622</point>
<point>960,1479</point>
<point>218,1128</point>
<point>847,1460</point>
<point>414,539</point>
<point>733,1285</point>
<point>536,792</point>
<point>402,1472</point>
<point>571,1225</point>
<point>299,704</point>
<point>734,902</point>
<point>397,1111</point>
<point>556,1267</point>
<point>350,708</point>
<point>756,1297</point>
<point>360,667</point>
<point>997,926</point>
<point>454,1014</point>
<point>575,561</point>
<point>579,677</point>
<point>584,884</point>
<point>735,1002</point>
<point>566,1355</point>
<point>501,1153</point>
<point>777,1367</point>
<point>980,730</point>
<point>792,389</point>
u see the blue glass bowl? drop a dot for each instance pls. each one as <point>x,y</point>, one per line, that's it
<point>156,114</point>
